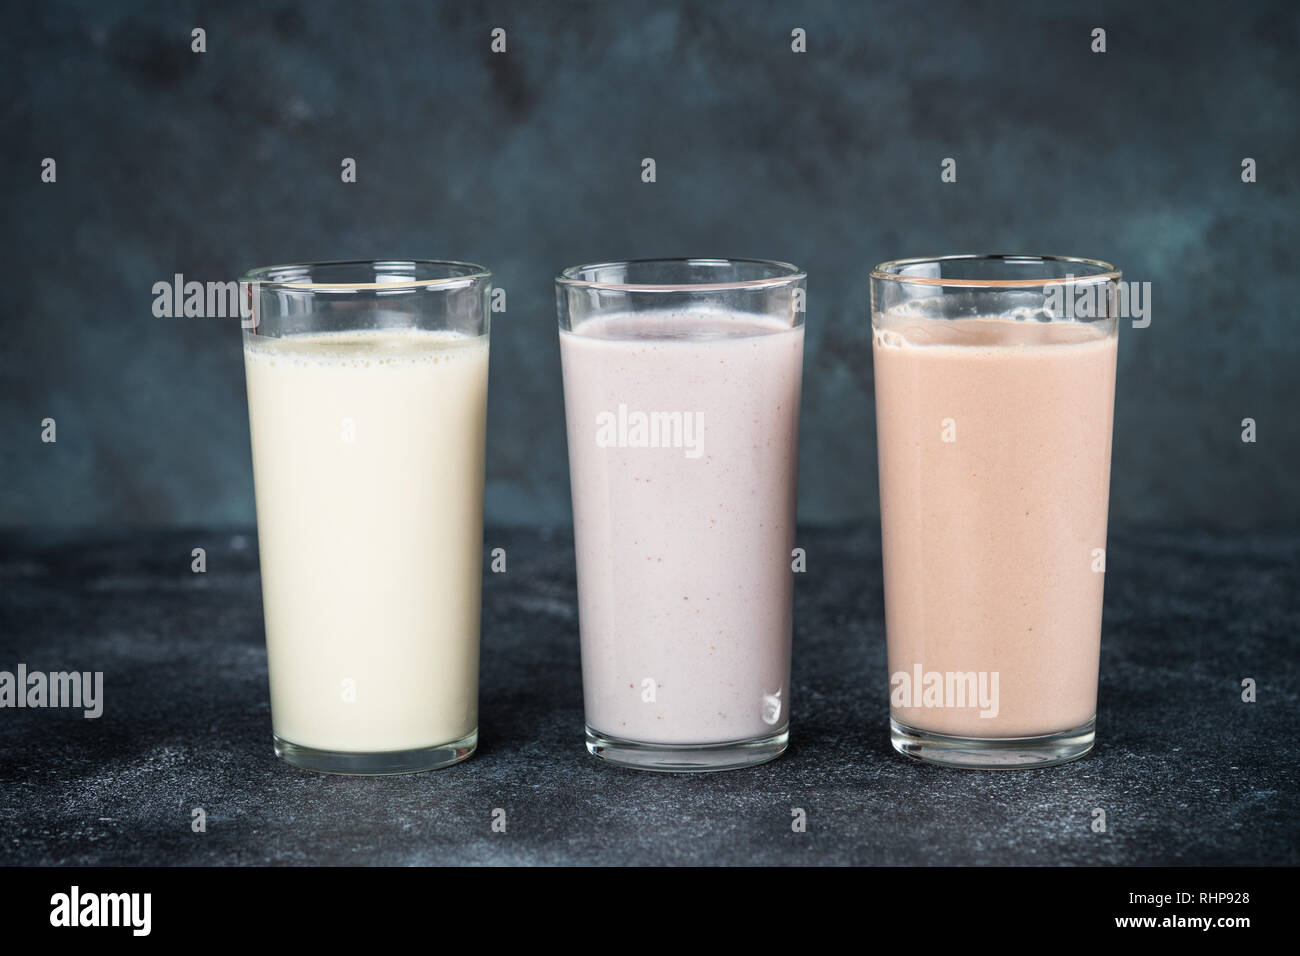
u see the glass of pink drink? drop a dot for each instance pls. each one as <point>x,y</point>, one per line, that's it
<point>681,389</point>
<point>995,385</point>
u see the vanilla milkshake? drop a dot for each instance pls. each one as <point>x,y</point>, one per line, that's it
<point>368,460</point>
<point>994,439</point>
<point>683,437</point>
<point>368,450</point>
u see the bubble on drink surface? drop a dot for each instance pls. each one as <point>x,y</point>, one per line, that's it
<point>679,325</point>
<point>385,347</point>
<point>888,339</point>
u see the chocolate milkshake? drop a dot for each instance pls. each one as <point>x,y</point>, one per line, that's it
<point>994,436</point>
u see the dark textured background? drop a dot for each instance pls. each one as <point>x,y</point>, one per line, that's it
<point>208,164</point>
<point>1187,773</point>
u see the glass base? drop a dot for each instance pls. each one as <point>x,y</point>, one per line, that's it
<point>993,753</point>
<point>688,758</point>
<point>381,762</point>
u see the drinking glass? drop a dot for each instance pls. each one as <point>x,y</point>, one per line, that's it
<point>367,399</point>
<point>681,387</point>
<point>995,387</point>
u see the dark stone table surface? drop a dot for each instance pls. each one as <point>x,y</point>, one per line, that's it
<point>1186,772</point>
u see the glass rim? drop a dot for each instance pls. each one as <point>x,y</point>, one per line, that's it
<point>786,274</point>
<point>1103,272</point>
<point>269,277</point>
